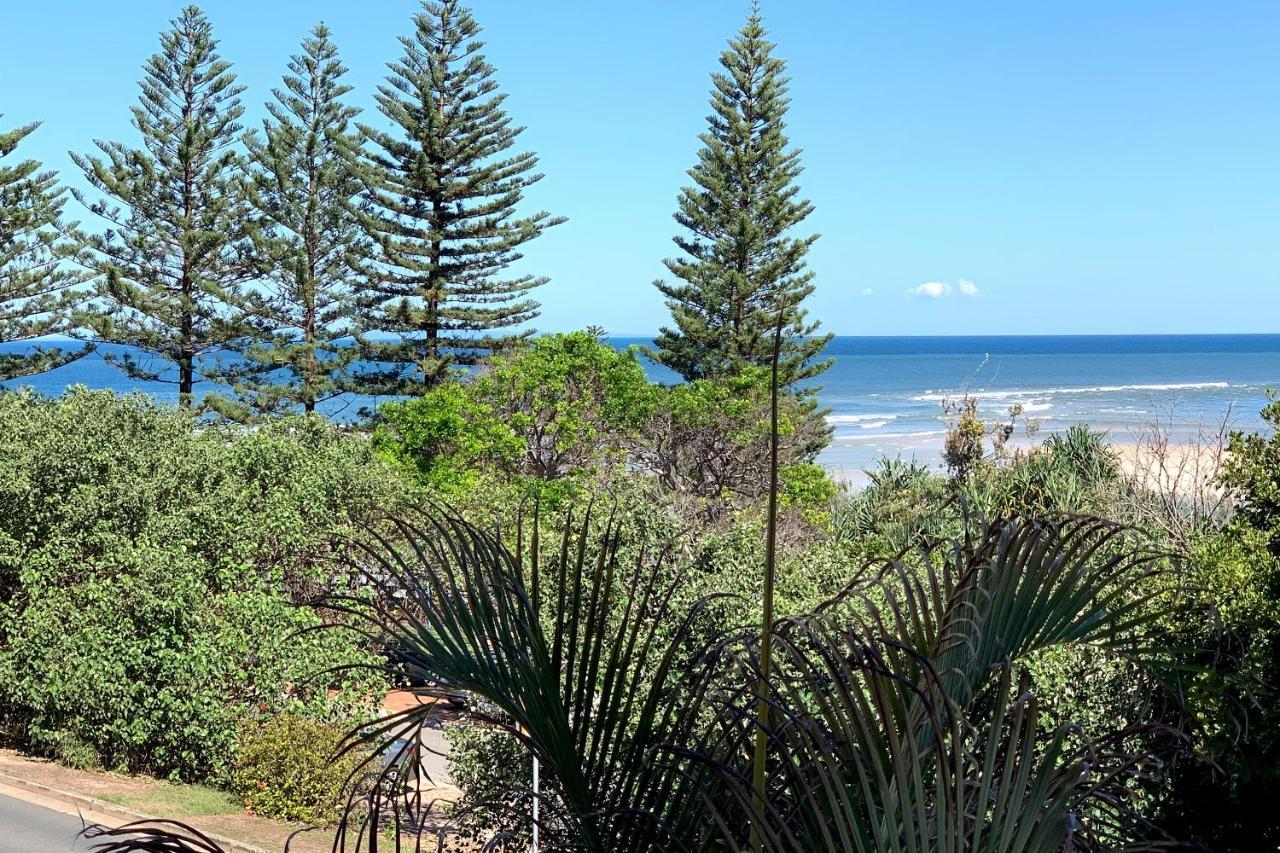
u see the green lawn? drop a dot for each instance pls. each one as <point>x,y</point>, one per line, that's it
<point>178,800</point>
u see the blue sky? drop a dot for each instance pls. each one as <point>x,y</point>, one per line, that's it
<point>1091,167</point>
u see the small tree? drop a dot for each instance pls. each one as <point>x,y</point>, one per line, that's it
<point>740,263</point>
<point>710,438</point>
<point>445,219</point>
<point>171,264</point>
<point>36,288</point>
<point>566,404</point>
<point>305,189</point>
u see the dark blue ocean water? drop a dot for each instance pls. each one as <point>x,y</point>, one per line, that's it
<point>885,393</point>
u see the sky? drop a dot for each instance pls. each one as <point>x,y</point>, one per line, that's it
<point>998,168</point>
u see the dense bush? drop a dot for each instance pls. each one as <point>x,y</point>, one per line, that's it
<point>1074,471</point>
<point>287,767</point>
<point>1223,633</point>
<point>568,402</point>
<point>902,504</point>
<point>571,406</point>
<point>1231,631</point>
<point>710,438</point>
<point>149,571</point>
<point>1232,634</point>
<point>1253,470</point>
<point>447,438</point>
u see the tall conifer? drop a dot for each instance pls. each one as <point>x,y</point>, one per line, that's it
<point>36,286</point>
<point>445,220</point>
<point>741,263</point>
<point>307,181</point>
<point>171,263</point>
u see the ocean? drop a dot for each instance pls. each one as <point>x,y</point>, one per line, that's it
<point>885,393</point>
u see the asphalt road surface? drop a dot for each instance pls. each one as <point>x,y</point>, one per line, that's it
<point>27,828</point>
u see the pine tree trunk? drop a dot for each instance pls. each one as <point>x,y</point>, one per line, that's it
<point>434,281</point>
<point>186,377</point>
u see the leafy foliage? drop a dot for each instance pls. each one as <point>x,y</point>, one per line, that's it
<point>1231,633</point>
<point>1075,471</point>
<point>710,438</point>
<point>878,699</point>
<point>493,770</point>
<point>1253,470</point>
<point>149,574</point>
<point>566,404</point>
<point>573,400</point>
<point>447,437</point>
<point>285,768</point>
<point>570,405</point>
<point>902,506</point>
<point>963,450</point>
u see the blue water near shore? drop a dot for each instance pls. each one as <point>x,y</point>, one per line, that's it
<point>885,393</point>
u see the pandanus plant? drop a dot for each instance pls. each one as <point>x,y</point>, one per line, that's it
<point>899,717</point>
<point>895,717</point>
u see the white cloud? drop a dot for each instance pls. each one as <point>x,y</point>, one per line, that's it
<point>943,289</point>
<point>866,291</point>
<point>931,289</point>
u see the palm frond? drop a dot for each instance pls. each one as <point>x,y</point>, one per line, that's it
<point>864,757</point>
<point>150,836</point>
<point>592,697</point>
<point>898,717</point>
<point>1014,587</point>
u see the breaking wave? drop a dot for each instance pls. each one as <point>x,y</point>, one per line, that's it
<point>1046,392</point>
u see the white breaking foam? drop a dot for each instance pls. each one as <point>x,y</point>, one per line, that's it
<point>1047,392</point>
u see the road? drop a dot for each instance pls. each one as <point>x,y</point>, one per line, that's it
<point>29,828</point>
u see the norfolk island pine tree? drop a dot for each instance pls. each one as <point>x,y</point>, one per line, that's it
<point>171,266</point>
<point>444,220</point>
<point>740,264</point>
<point>37,287</point>
<point>307,189</point>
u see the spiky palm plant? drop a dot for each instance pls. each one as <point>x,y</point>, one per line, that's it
<point>903,721</point>
<point>899,717</point>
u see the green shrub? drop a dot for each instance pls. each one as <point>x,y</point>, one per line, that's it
<point>446,437</point>
<point>1230,628</point>
<point>1072,472</point>
<point>962,451</point>
<point>569,407</point>
<point>1252,471</point>
<point>903,504</point>
<point>286,767</point>
<point>70,751</point>
<point>567,403</point>
<point>710,438</point>
<point>573,400</point>
<point>150,572</point>
<point>493,771</point>
<point>806,485</point>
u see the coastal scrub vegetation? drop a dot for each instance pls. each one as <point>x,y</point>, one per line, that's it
<point>151,576</point>
<point>1032,650</point>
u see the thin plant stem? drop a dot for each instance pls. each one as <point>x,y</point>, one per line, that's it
<point>770,565</point>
